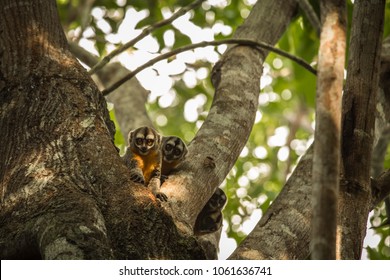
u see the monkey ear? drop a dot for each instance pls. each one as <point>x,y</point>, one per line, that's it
<point>160,139</point>
<point>185,151</point>
<point>129,136</point>
<point>163,139</point>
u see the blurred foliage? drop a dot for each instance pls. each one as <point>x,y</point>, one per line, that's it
<point>284,121</point>
<point>381,226</point>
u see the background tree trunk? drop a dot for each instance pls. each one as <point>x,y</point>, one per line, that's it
<point>359,101</point>
<point>284,231</point>
<point>326,161</point>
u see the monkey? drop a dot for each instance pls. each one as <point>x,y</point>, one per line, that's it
<point>144,158</point>
<point>173,151</point>
<point>210,218</point>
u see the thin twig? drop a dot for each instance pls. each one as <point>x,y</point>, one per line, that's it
<point>311,15</point>
<point>257,45</point>
<point>145,32</point>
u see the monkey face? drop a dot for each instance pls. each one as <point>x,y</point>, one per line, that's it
<point>217,200</point>
<point>144,139</point>
<point>173,149</point>
<point>210,218</point>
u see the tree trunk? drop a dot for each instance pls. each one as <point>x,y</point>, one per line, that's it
<point>50,113</point>
<point>65,191</point>
<point>359,103</point>
<point>326,161</point>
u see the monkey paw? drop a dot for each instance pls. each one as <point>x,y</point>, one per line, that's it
<point>163,178</point>
<point>137,178</point>
<point>162,196</point>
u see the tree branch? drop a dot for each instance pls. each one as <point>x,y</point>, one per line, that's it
<point>382,122</point>
<point>283,233</point>
<point>381,183</point>
<point>311,15</point>
<point>243,42</point>
<point>381,188</point>
<point>145,32</point>
<point>326,161</point>
<point>219,141</point>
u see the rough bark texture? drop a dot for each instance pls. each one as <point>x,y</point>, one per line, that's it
<point>50,113</point>
<point>65,193</point>
<point>326,161</point>
<point>359,103</point>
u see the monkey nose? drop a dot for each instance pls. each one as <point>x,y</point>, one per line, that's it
<point>169,158</point>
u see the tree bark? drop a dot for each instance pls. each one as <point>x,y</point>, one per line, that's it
<point>359,103</point>
<point>66,193</point>
<point>326,161</point>
<point>50,112</point>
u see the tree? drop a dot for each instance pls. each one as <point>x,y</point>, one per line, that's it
<point>65,192</point>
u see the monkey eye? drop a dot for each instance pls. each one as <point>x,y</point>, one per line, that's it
<point>139,141</point>
<point>168,147</point>
<point>149,142</point>
<point>177,152</point>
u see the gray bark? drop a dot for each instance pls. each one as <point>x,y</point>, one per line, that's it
<point>359,101</point>
<point>65,192</point>
<point>50,111</point>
